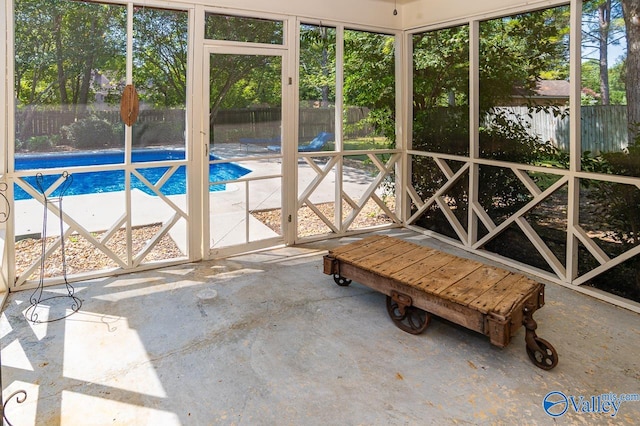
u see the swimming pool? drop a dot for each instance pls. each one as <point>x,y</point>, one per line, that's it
<point>113,180</point>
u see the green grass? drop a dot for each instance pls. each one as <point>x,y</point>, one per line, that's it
<point>545,180</point>
<point>366,143</point>
<point>378,142</point>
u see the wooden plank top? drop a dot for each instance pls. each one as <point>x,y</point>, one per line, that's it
<point>474,285</point>
<point>354,245</point>
<point>463,281</point>
<point>411,256</point>
<point>384,256</point>
<point>413,275</point>
<point>355,251</point>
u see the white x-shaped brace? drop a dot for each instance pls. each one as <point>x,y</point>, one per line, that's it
<point>101,244</point>
<point>493,230</point>
<point>384,170</point>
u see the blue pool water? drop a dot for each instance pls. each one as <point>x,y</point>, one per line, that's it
<point>113,180</point>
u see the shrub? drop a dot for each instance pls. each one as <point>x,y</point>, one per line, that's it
<point>442,129</point>
<point>158,133</point>
<point>41,143</point>
<point>91,132</point>
<point>503,137</point>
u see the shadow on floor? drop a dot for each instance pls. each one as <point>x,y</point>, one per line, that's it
<point>267,338</point>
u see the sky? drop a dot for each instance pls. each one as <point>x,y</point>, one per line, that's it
<point>617,46</point>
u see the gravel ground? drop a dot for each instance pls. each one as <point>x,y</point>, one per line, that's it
<point>309,223</point>
<point>82,256</point>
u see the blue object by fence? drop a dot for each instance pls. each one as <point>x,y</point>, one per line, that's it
<point>317,144</point>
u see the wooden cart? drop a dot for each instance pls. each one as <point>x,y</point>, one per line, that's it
<point>420,281</point>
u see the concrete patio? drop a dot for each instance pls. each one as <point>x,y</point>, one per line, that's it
<point>267,338</point>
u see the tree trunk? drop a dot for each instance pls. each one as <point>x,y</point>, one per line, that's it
<point>85,84</point>
<point>631,12</point>
<point>215,105</point>
<point>325,67</point>
<point>604,18</point>
<point>62,79</point>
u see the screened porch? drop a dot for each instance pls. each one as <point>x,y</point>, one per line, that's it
<point>148,139</point>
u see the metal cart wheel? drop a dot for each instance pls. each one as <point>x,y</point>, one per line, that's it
<point>410,319</point>
<point>545,358</point>
<point>341,281</point>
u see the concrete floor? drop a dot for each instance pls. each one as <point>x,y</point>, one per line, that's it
<point>282,344</point>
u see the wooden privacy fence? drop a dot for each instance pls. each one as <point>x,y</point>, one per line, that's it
<point>232,124</point>
<point>229,125</point>
<point>43,123</point>
<point>603,128</point>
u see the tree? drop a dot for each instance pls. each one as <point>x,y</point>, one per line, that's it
<point>604,15</point>
<point>631,12</point>
<point>229,71</point>
<point>617,87</point>
<point>160,56</point>
<point>622,23</point>
<point>602,27</point>
<point>33,47</point>
<point>369,77</point>
<point>591,83</point>
<point>516,50</point>
<point>231,75</point>
<point>317,64</point>
<point>441,68</point>
<point>59,45</point>
<point>441,90</point>
<point>369,73</point>
<point>76,38</point>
